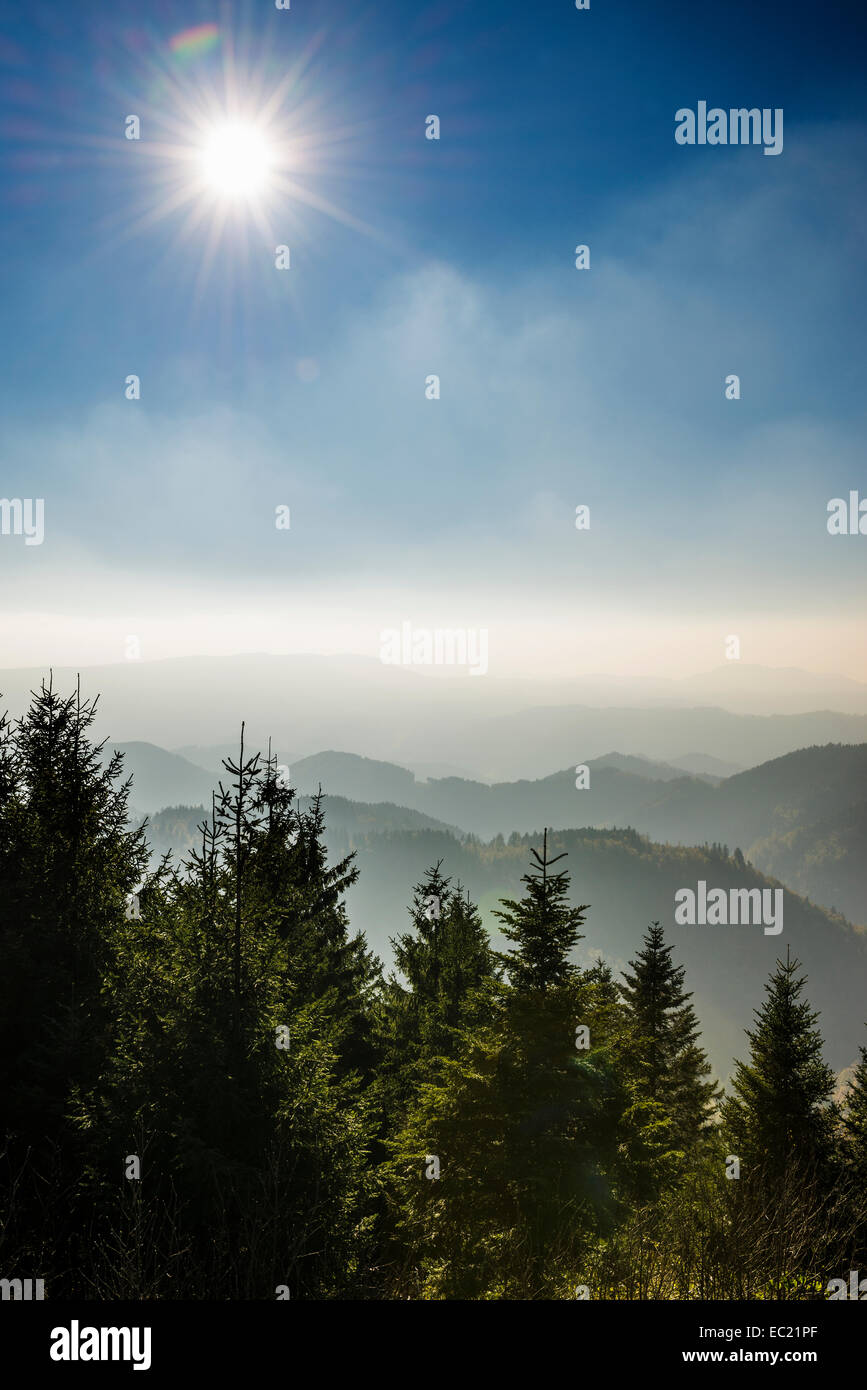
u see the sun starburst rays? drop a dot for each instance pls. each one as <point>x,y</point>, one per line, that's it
<point>233,157</point>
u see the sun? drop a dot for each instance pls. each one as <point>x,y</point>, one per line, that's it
<point>237,160</point>
<point>237,155</point>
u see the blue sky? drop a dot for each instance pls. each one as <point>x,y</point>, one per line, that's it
<point>559,387</point>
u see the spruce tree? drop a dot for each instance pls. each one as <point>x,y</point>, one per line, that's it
<point>673,1067</point>
<point>543,927</point>
<point>68,861</point>
<point>853,1152</point>
<point>447,966</point>
<point>780,1113</point>
<point>231,1067</point>
<point>527,1121</point>
<point>301,896</point>
<point>855,1122</point>
<point>467,966</point>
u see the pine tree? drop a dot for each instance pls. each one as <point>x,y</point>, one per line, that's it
<point>231,1067</point>
<point>302,897</point>
<point>853,1153</point>
<point>528,1120</point>
<point>416,952</point>
<point>239,826</point>
<point>447,967</point>
<point>855,1122</point>
<point>68,862</point>
<point>781,1112</point>
<point>674,1067</point>
<point>467,966</point>
<point>542,926</point>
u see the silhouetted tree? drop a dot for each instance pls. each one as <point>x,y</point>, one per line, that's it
<point>673,1067</point>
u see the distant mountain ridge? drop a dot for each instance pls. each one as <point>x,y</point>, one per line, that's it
<point>795,815</point>
<point>504,728</point>
<point>800,817</point>
<point>161,778</point>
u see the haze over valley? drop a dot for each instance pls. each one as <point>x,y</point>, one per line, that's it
<point>646,798</point>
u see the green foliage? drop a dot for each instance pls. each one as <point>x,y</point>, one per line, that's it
<point>238,1116</point>
<point>535,1133</point>
<point>286,1103</point>
<point>781,1103</point>
<point>157,1035</point>
<point>543,927</point>
<point>855,1122</point>
<point>673,1069</point>
<point>447,969</point>
<point>67,862</point>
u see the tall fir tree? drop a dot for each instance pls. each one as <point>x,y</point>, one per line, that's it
<point>543,927</point>
<point>781,1112</point>
<point>68,861</point>
<point>447,968</point>
<point>854,1126</point>
<point>673,1067</point>
<point>853,1154</point>
<point>231,1070</point>
<point>530,1124</point>
<point>303,897</point>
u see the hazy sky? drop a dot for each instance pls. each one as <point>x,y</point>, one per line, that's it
<point>559,387</point>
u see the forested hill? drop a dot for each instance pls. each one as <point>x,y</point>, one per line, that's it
<point>799,788</point>
<point>175,828</point>
<point>225,1037</point>
<point>629,881</point>
<point>797,816</point>
<point>800,817</point>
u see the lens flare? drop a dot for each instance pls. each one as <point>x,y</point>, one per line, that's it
<point>190,43</point>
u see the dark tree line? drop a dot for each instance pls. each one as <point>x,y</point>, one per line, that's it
<point>210,1089</point>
